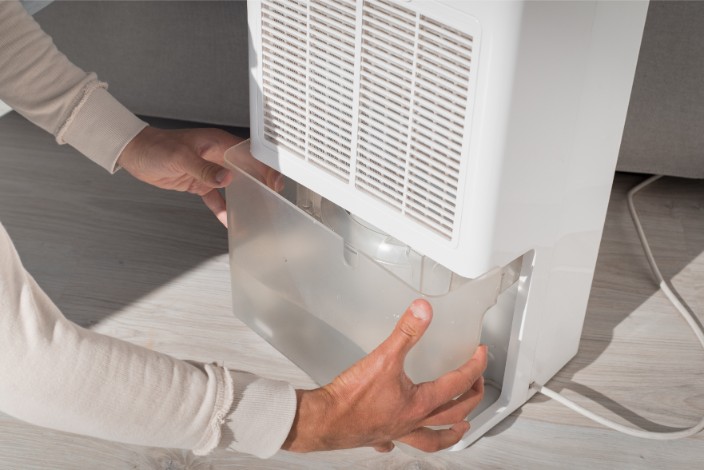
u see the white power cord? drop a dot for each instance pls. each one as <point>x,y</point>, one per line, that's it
<point>691,320</point>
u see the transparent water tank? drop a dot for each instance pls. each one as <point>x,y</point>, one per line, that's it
<point>325,288</point>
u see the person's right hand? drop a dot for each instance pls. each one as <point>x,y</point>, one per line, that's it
<point>374,402</point>
<point>191,160</point>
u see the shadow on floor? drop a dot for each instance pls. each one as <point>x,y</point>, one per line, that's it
<point>672,214</point>
<point>96,242</point>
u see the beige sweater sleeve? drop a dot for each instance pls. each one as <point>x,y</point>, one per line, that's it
<point>56,374</point>
<point>40,83</point>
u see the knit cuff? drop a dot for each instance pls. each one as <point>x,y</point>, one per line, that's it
<point>261,416</point>
<point>223,399</point>
<point>100,127</point>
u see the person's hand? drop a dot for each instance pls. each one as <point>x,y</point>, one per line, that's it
<point>189,160</point>
<point>374,402</point>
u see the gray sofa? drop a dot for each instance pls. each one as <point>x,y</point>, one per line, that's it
<point>187,60</point>
<point>664,131</point>
<point>175,59</point>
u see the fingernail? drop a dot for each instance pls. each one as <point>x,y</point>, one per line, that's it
<point>419,311</point>
<point>221,175</point>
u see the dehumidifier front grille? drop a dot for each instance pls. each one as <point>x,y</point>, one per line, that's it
<point>374,93</point>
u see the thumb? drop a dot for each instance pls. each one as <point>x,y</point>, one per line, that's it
<point>410,328</point>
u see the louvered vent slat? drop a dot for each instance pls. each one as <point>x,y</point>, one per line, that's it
<point>283,35</point>
<point>436,163</point>
<point>441,86</point>
<point>368,181</point>
<point>424,210</point>
<point>328,136</point>
<point>346,8</point>
<point>333,87</point>
<point>434,138</point>
<point>332,53</point>
<point>375,94</point>
<point>425,106</point>
<point>395,41</point>
<point>432,199</point>
<point>435,192</point>
<point>383,71</point>
<point>424,136</point>
<point>387,61</point>
<point>428,45</point>
<point>331,63</point>
<point>377,59</point>
<point>390,127</point>
<point>395,15</point>
<point>340,30</point>
<point>284,29</point>
<point>438,124</point>
<point>382,138</point>
<point>376,158</point>
<point>455,43</point>
<point>447,70</point>
<point>331,118</point>
<point>437,172</point>
<point>383,165</point>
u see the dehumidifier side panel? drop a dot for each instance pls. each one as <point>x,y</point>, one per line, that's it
<point>618,29</point>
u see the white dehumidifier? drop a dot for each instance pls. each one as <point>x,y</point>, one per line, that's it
<point>458,151</point>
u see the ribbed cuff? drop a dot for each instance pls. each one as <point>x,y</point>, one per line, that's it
<point>100,128</point>
<point>223,403</point>
<point>261,416</point>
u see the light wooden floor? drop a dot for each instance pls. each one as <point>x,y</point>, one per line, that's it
<point>150,267</point>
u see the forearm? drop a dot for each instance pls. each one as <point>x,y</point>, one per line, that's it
<point>56,374</point>
<point>40,83</point>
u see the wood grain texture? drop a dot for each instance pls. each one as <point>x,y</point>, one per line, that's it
<point>150,267</point>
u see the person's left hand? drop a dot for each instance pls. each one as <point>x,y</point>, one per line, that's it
<point>188,160</point>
